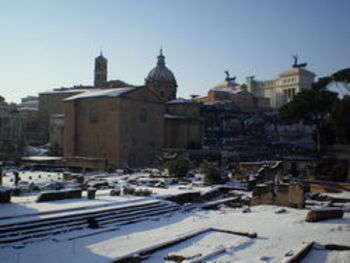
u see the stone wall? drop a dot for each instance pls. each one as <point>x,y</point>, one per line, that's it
<point>52,103</point>
<point>10,130</point>
<point>141,128</point>
<point>56,133</point>
<point>183,128</point>
<point>92,129</point>
<point>189,109</point>
<point>291,195</point>
<point>183,133</point>
<point>124,131</point>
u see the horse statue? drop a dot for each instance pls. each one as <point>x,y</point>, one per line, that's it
<point>228,78</point>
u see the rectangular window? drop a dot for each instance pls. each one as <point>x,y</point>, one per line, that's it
<point>93,115</point>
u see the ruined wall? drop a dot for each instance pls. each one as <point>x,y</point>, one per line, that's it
<point>183,128</point>
<point>290,195</point>
<point>183,133</point>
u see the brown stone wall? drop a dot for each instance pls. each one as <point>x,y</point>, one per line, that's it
<point>56,133</point>
<point>182,133</point>
<point>165,92</point>
<point>246,102</point>
<point>91,128</point>
<point>96,127</point>
<point>262,194</point>
<point>125,131</point>
<point>69,129</point>
<point>290,195</point>
<point>191,109</point>
<point>183,130</point>
<point>51,103</point>
<point>281,195</point>
<point>141,128</point>
<point>214,96</point>
<point>296,195</point>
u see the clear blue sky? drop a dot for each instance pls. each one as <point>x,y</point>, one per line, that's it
<point>48,44</point>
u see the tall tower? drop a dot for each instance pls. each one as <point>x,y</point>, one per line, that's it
<point>161,80</point>
<point>100,72</point>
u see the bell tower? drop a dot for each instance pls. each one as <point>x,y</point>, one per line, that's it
<point>100,72</point>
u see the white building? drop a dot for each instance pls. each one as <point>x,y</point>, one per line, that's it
<point>282,89</point>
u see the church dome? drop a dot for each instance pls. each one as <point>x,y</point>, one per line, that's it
<point>161,73</point>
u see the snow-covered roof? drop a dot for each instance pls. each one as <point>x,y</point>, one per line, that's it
<point>231,91</point>
<point>65,91</point>
<point>342,88</point>
<point>57,116</point>
<point>28,109</point>
<point>170,116</point>
<point>180,101</point>
<point>296,71</point>
<point>111,93</point>
<point>42,158</point>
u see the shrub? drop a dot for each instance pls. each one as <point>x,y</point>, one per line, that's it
<point>5,195</point>
<point>128,190</point>
<point>179,167</point>
<point>115,192</point>
<point>211,173</point>
<point>143,192</point>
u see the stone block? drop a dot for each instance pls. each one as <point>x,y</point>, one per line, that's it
<point>316,215</point>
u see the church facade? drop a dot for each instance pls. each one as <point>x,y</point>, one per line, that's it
<point>114,127</point>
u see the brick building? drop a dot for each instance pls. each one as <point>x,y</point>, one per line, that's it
<point>122,127</point>
<point>237,95</point>
<point>128,126</point>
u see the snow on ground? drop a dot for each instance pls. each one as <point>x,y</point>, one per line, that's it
<point>277,234</point>
<point>174,189</point>
<point>201,245</point>
<point>31,210</point>
<point>37,177</point>
<point>326,256</point>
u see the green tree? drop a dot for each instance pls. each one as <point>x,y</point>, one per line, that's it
<point>211,173</point>
<point>313,107</point>
<point>342,75</point>
<point>179,167</point>
<point>341,120</point>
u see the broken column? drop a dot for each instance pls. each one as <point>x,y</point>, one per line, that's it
<point>320,214</point>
